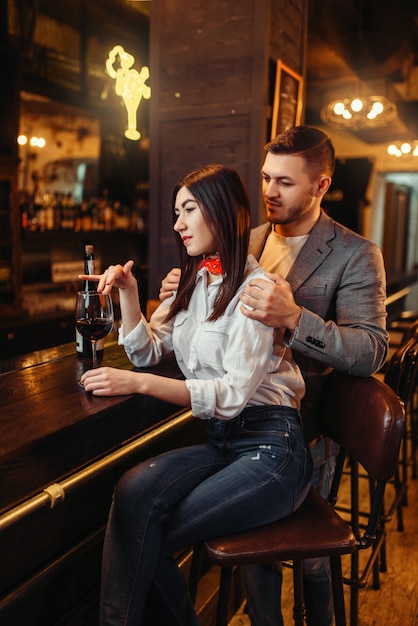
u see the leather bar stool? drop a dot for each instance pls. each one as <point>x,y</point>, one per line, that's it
<point>366,418</point>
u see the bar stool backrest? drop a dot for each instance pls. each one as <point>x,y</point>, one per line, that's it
<point>358,416</point>
<point>401,371</point>
<point>411,331</point>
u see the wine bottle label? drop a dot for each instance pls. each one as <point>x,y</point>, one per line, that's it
<point>83,346</point>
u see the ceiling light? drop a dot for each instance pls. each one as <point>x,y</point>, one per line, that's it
<point>34,142</point>
<point>357,105</point>
<point>359,112</point>
<point>403,148</point>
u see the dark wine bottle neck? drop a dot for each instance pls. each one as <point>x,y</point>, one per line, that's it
<point>89,269</point>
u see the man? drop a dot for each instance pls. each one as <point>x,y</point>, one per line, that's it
<point>329,294</point>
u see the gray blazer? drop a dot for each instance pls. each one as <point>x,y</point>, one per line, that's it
<point>339,279</point>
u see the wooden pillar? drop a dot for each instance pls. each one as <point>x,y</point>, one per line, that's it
<point>212,79</point>
<point>10,237</point>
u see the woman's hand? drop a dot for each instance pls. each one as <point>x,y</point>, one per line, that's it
<point>109,381</point>
<point>115,276</point>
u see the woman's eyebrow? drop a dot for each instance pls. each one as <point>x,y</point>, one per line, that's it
<point>183,204</point>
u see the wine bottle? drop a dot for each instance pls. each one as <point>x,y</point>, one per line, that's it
<point>83,345</point>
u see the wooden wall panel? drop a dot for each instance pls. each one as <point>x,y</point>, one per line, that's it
<point>226,141</point>
<point>212,89</point>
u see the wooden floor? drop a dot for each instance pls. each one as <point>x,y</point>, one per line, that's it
<point>396,602</point>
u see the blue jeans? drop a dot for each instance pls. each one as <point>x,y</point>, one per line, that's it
<point>252,470</point>
<point>263,583</point>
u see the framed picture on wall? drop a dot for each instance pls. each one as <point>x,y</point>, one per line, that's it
<point>288,99</point>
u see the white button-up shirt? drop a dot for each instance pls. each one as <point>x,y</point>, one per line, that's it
<point>228,364</point>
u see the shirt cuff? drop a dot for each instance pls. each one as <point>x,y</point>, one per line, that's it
<point>289,337</point>
<point>203,397</point>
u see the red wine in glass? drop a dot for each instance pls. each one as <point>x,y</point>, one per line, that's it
<point>93,317</point>
<point>95,328</point>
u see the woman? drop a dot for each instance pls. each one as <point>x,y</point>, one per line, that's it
<point>254,467</point>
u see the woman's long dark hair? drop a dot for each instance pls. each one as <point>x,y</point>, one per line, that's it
<point>224,202</point>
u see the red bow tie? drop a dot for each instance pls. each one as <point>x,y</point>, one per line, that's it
<point>212,264</point>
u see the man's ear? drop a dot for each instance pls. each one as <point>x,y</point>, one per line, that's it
<point>324,184</point>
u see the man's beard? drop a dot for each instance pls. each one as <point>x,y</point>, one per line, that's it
<point>294,213</point>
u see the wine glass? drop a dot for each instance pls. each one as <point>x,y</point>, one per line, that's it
<point>93,317</point>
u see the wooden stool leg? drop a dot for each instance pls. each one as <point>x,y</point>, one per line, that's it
<point>404,464</point>
<point>414,434</point>
<point>195,571</point>
<point>338,591</point>
<point>224,594</point>
<point>299,611</point>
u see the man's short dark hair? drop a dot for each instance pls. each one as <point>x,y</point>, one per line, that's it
<point>313,144</point>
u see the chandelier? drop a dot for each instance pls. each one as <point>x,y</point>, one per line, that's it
<point>359,112</point>
<point>403,148</point>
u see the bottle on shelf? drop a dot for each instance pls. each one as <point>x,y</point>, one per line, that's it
<point>83,345</point>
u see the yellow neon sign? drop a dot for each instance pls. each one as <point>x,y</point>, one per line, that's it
<point>130,85</point>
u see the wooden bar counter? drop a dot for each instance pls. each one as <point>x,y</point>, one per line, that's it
<point>61,453</point>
